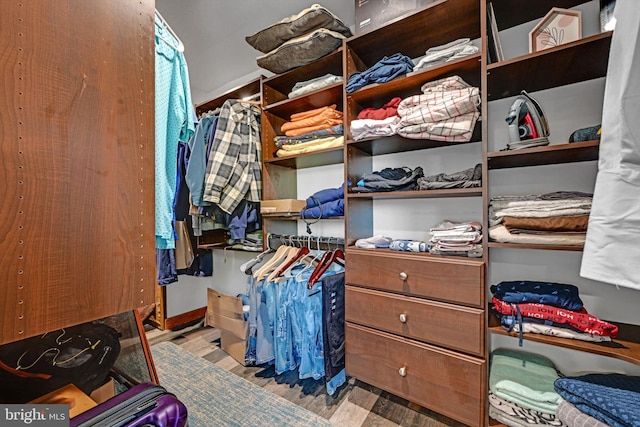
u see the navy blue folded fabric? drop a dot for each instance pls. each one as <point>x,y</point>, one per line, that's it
<point>387,69</point>
<point>324,196</point>
<point>613,399</point>
<point>325,210</point>
<point>549,293</point>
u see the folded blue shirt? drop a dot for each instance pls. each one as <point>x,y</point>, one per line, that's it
<point>387,69</point>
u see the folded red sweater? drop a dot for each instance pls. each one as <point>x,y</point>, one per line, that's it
<point>580,320</point>
<point>387,110</point>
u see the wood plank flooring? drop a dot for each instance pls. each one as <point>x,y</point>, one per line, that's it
<point>355,404</point>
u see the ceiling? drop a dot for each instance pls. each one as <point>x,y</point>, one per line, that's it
<point>213,31</point>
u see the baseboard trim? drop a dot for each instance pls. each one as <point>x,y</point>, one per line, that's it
<point>184,318</point>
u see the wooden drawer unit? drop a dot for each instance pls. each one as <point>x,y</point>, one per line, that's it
<point>459,281</point>
<point>451,326</point>
<point>441,380</point>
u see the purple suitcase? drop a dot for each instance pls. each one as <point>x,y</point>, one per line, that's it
<point>144,405</point>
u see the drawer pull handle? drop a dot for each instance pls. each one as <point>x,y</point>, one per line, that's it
<point>403,276</point>
<point>403,318</point>
<point>403,371</point>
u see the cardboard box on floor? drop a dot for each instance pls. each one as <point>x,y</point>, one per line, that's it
<point>225,313</point>
<point>233,346</point>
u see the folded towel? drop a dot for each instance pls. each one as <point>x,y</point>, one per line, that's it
<point>524,378</point>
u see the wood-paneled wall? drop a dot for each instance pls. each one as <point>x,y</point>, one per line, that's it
<point>76,162</point>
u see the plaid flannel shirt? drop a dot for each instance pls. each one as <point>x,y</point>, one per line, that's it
<point>446,111</point>
<point>234,166</point>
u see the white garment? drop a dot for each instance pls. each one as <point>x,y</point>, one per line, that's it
<point>612,248</point>
<point>366,128</point>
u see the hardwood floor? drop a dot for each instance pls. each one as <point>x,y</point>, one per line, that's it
<point>355,404</point>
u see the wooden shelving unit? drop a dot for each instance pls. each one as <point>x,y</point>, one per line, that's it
<point>547,155</point>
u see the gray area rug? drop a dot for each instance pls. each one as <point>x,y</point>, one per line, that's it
<point>217,397</point>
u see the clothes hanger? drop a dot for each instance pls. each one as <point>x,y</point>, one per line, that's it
<point>336,255</point>
<point>247,266</point>
<point>296,259</point>
<point>290,259</point>
<point>311,263</point>
<point>280,255</point>
<point>165,24</point>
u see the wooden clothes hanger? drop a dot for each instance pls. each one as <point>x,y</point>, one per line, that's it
<point>336,255</point>
<point>292,257</point>
<point>281,252</point>
<point>293,260</point>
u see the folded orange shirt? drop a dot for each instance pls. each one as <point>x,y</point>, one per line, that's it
<point>312,120</point>
<point>325,124</point>
<point>314,112</point>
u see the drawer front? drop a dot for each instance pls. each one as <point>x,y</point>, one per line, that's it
<point>456,327</point>
<point>453,280</point>
<point>443,381</point>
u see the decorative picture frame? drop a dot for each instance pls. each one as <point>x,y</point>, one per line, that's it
<point>559,26</point>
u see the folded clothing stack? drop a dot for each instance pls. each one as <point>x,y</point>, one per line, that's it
<point>445,53</point>
<point>304,87</point>
<point>312,120</point>
<point>521,383</point>
<point>456,238</point>
<point>467,178</point>
<point>547,308</point>
<point>325,203</point>
<point>389,179</point>
<point>447,110</point>
<point>376,121</point>
<point>557,218</point>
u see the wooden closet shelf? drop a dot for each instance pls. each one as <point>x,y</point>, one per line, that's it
<point>329,156</point>
<point>532,246</point>
<point>397,144</point>
<point>414,34</point>
<point>320,98</point>
<point>416,255</point>
<point>283,83</point>
<point>626,347</point>
<point>297,217</point>
<point>574,62</point>
<point>547,155</point>
<point>420,194</point>
<point>224,246</point>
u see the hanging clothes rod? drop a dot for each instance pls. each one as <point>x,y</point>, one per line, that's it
<point>312,242</point>
<point>180,47</point>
